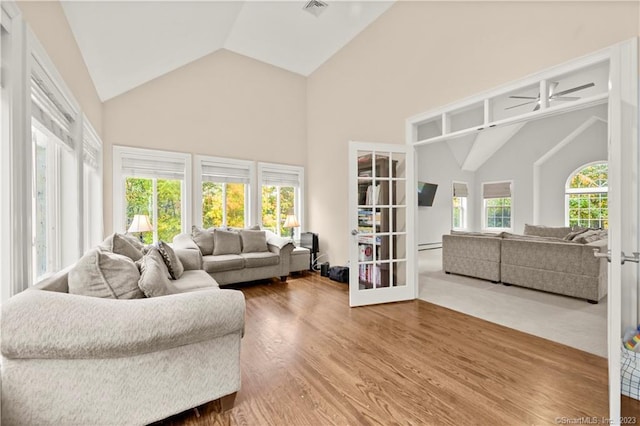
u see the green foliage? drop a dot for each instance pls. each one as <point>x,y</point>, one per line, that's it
<point>589,209</point>
<point>273,217</point>
<point>139,200</point>
<point>213,194</point>
<point>498,212</point>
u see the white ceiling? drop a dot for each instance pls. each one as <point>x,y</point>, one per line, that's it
<point>127,43</point>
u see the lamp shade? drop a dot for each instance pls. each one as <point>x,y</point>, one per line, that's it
<point>291,221</point>
<point>140,223</point>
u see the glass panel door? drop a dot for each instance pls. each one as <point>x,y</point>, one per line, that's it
<point>381,211</point>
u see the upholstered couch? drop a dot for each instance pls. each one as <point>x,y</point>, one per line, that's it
<point>232,256</point>
<point>540,259</point>
<point>74,359</point>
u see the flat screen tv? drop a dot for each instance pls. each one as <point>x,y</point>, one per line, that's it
<point>426,193</point>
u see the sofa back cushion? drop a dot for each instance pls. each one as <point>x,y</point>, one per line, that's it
<point>546,231</point>
<point>104,274</point>
<point>226,242</point>
<point>253,241</point>
<point>119,244</point>
<point>154,280</point>
<point>203,238</point>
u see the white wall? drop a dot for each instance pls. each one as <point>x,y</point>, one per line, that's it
<point>437,164</point>
<point>513,161</point>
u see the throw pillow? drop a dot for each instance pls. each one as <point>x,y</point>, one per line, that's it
<point>591,235</point>
<point>105,274</point>
<point>546,231</point>
<point>117,243</point>
<point>203,239</point>
<point>226,242</point>
<point>573,234</point>
<point>253,241</point>
<point>174,265</point>
<point>135,241</point>
<point>153,276</point>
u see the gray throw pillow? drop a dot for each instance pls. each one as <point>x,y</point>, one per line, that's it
<point>253,241</point>
<point>226,242</point>
<point>546,231</point>
<point>203,239</point>
<point>174,265</point>
<point>117,243</point>
<point>135,241</point>
<point>153,276</point>
<point>104,274</point>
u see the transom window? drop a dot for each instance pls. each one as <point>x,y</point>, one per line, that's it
<point>586,194</point>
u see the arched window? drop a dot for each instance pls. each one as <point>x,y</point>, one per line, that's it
<point>586,194</point>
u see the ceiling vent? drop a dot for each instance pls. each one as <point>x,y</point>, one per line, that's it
<point>315,7</point>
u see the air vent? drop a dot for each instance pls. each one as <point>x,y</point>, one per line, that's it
<point>315,7</point>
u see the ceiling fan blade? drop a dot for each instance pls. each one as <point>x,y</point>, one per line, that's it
<point>575,89</point>
<point>523,97</point>
<point>552,87</point>
<point>526,103</point>
<point>565,98</point>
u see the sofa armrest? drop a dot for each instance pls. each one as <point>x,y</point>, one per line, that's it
<point>191,259</point>
<point>53,325</point>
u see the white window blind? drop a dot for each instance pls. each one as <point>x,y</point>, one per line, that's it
<point>159,167</point>
<point>460,189</point>
<point>48,110</point>
<point>220,171</point>
<point>280,177</point>
<point>91,148</point>
<point>496,190</point>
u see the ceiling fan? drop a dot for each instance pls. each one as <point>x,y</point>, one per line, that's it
<point>552,96</point>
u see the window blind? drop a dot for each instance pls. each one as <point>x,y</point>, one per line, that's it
<point>91,152</point>
<point>280,177</point>
<point>50,113</point>
<point>159,167</point>
<point>219,171</point>
<point>460,189</point>
<point>496,190</point>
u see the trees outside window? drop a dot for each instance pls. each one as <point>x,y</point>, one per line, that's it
<point>277,203</point>
<point>497,205</point>
<point>587,196</point>
<point>459,205</point>
<point>160,199</point>
<point>223,204</point>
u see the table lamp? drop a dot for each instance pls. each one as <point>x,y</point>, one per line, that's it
<point>291,222</point>
<point>140,224</point>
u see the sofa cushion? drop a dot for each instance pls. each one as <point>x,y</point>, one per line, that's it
<point>253,241</point>
<point>105,274</point>
<point>153,280</point>
<point>221,263</point>
<point>171,260</point>
<point>546,231</point>
<point>203,239</point>
<point>256,260</point>
<point>135,241</point>
<point>226,242</point>
<point>194,280</point>
<point>119,244</point>
<point>591,235</point>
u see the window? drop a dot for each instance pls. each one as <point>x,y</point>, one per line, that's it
<point>280,196</point>
<point>153,183</point>
<point>225,192</point>
<point>54,177</point>
<point>586,196</point>
<point>459,205</point>
<point>497,202</point>
<point>91,186</point>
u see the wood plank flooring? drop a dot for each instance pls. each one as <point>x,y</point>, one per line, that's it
<point>309,359</point>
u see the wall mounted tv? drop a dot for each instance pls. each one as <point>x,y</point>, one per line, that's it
<point>426,193</point>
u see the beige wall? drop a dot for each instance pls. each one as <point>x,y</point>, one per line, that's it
<point>224,104</point>
<point>49,24</point>
<point>422,55</point>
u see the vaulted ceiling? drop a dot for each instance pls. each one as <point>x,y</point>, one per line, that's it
<point>128,43</point>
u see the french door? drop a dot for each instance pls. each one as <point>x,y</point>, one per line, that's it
<point>381,216</point>
<point>624,231</point>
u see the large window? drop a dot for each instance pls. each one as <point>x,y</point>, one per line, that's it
<point>280,196</point>
<point>586,196</point>
<point>497,206</point>
<point>54,168</point>
<point>459,205</point>
<point>155,184</point>
<point>225,192</point>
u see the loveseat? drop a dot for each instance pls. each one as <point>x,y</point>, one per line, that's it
<point>75,359</point>
<point>237,255</point>
<point>554,259</point>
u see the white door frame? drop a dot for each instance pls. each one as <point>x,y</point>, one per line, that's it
<point>387,294</point>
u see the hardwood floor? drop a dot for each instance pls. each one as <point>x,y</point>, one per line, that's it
<point>309,359</point>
